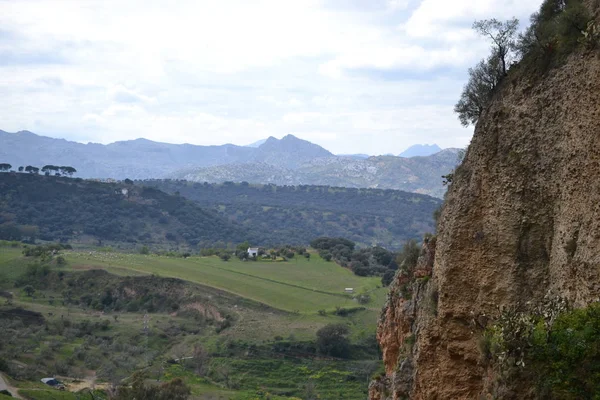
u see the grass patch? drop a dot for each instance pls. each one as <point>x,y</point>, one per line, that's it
<point>296,286</point>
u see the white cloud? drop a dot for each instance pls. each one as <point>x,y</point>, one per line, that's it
<point>384,73</point>
<point>122,94</point>
<point>439,18</point>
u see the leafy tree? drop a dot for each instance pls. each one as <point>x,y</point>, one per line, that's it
<point>29,290</point>
<point>333,340</point>
<point>409,255</point>
<point>21,169</point>
<point>503,37</point>
<point>477,93</point>
<point>388,277</point>
<point>47,169</point>
<point>32,169</point>
<point>66,170</point>
<point>5,167</point>
<point>485,77</point>
<point>225,256</point>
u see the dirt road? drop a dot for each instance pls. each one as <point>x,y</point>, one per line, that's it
<point>5,386</point>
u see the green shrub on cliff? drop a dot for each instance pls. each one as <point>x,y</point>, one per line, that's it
<point>555,31</point>
<point>557,348</point>
<point>567,356</point>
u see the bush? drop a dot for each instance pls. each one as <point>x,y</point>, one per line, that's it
<point>554,32</point>
<point>333,340</point>
<point>566,356</point>
<point>364,298</point>
<point>388,277</point>
<point>557,348</point>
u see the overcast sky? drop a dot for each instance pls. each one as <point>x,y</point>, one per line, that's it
<point>355,76</point>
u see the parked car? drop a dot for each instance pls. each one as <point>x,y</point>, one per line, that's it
<point>55,383</point>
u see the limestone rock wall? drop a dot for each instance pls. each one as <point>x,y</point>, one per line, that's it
<point>521,220</point>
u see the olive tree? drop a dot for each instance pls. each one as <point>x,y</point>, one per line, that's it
<point>476,94</point>
<point>487,74</point>
<point>503,36</point>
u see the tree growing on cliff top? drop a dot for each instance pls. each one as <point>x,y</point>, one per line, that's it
<point>485,77</point>
<point>478,91</point>
<point>503,37</point>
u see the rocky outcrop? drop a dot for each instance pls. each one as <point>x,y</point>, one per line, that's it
<point>521,220</point>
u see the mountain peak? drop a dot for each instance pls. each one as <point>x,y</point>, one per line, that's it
<point>420,150</point>
<point>289,136</point>
<point>289,151</point>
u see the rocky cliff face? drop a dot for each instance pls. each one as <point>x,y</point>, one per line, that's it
<point>521,220</point>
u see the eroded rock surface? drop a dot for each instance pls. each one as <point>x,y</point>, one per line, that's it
<point>521,220</point>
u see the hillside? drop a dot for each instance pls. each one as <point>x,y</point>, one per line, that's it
<point>298,214</point>
<point>504,302</point>
<point>80,211</point>
<point>230,330</point>
<point>90,212</point>
<point>416,174</point>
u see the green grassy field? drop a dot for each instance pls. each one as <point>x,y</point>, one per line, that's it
<point>298,285</point>
<point>295,290</point>
<point>11,264</point>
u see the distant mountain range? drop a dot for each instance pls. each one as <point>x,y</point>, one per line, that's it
<point>285,161</point>
<point>358,156</point>
<point>417,174</point>
<point>420,150</point>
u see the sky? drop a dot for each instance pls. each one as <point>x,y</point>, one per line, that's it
<point>354,76</point>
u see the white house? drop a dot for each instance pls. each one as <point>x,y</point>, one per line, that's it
<point>252,251</point>
<point>349,290</point>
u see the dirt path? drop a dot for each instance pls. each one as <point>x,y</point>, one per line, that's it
<point>4,385</point>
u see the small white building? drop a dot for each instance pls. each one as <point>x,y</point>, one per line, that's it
<point>252,251</point>
<point>349,290</point>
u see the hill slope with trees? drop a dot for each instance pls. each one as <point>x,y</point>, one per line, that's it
<point>74,210</point>
<point>299,214</point>
<point>65,209</point>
